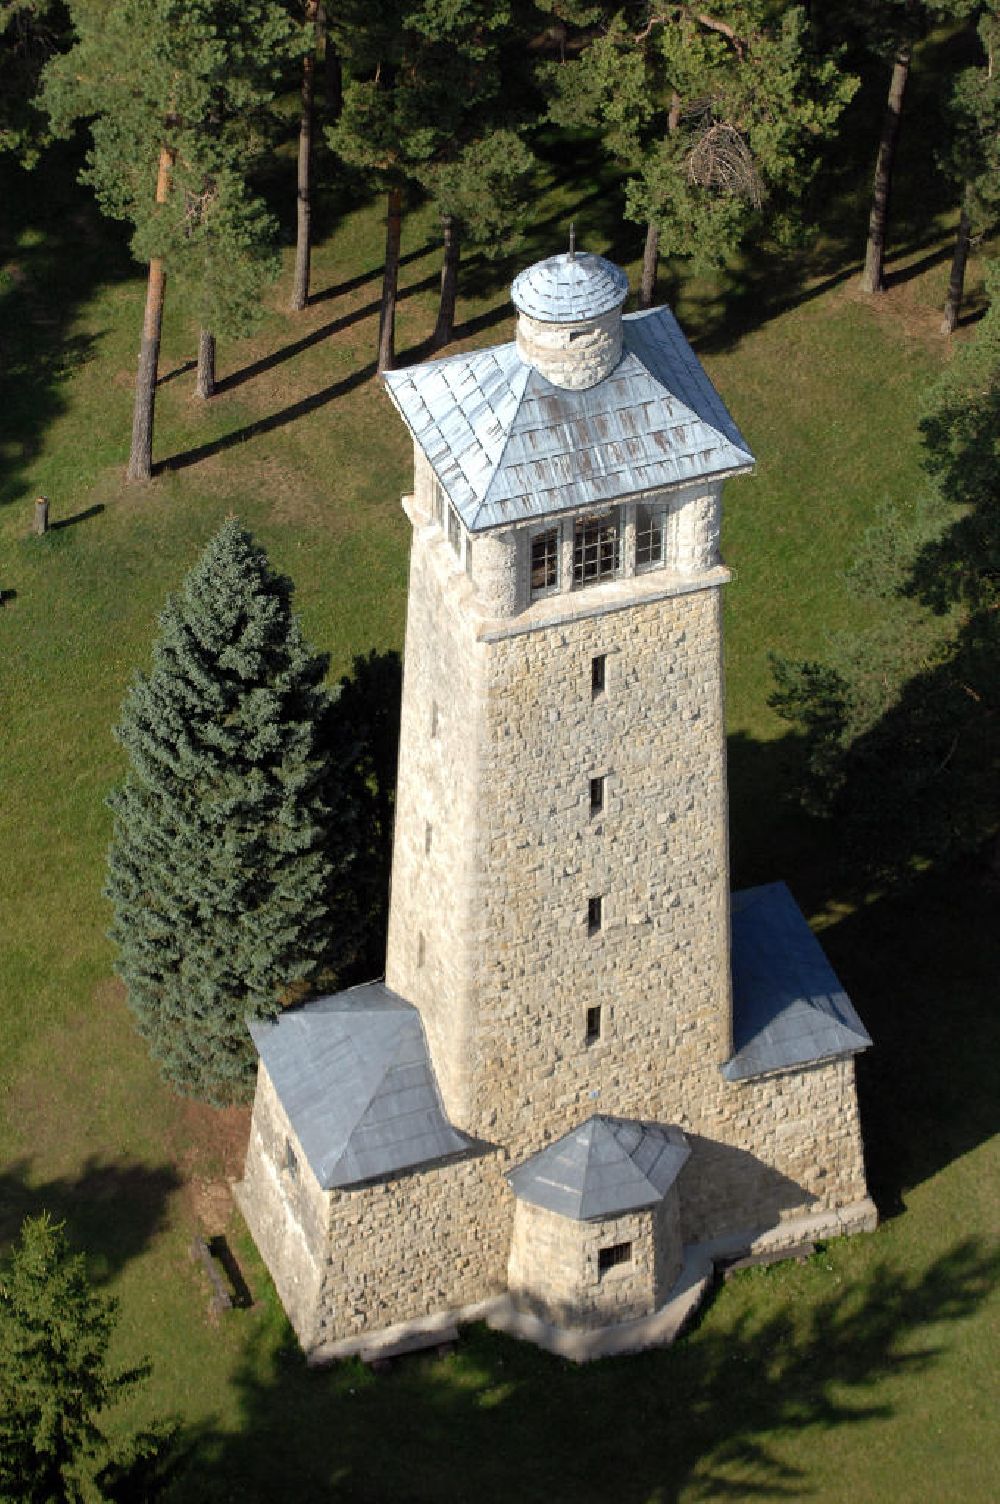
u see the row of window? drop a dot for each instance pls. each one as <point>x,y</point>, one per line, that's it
<point>597,548</point>
<point>597,544</point>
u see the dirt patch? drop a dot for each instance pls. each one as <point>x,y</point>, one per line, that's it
<point>211,1201</point>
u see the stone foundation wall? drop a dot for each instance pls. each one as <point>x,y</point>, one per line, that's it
<point>771,1150</point>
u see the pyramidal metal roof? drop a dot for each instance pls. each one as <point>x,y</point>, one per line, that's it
<point>789,1008</point>
<point>353,1074</point>
<point>568,288</point>
<point>603,1168</point>
<point>508,446</point>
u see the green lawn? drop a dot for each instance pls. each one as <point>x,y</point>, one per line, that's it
<point>861,1375</point>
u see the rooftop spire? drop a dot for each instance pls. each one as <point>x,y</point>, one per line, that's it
<point>572,239</point>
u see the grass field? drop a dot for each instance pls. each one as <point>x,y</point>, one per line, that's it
<point>864,1374</point>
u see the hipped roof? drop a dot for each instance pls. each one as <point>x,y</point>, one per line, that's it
<point>354,1076</point>
<point>789,1008</point>
<point>508,446</point>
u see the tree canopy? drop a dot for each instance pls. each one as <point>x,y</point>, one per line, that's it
<point>709,115</point>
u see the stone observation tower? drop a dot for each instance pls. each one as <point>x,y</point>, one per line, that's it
<point>589,1071</point>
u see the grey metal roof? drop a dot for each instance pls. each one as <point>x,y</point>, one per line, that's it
<point>788,1006</point>
<point>508,446</point>
<point>603,1168</point>
<point>353,1074</point>
<point>568,288</point>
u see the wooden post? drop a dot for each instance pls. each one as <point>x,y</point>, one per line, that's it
<point>41,515</point>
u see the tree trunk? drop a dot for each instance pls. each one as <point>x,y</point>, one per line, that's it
<point>873,277</point>
<point>445,326</point>
<point>390,281</point>
<point>303,238</point>
<point>332,69</point>
<point>205,384</point>
<point>956,282</point>
<point>140,460</point>
<point>647,289</point>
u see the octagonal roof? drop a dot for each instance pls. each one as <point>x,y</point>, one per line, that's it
<point>603,1168</point>
<point>567,288</point>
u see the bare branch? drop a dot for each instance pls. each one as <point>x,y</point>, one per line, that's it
<point>710,23</point>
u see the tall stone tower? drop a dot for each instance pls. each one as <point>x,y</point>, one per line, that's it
<point>588,1071</point>
<point>560,894</point>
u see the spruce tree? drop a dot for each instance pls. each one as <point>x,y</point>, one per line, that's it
<point>55,1382</point>
<point>221,872</point>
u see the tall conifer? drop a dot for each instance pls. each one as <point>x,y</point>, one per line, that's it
<point>220,865</point>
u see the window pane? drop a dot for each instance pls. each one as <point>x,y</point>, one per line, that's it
<point>545,560</point>
<point>454,530</point>
<point>596,549</point>
<point>650,529</point>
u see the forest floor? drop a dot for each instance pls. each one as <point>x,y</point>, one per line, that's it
<point>863,1374</point>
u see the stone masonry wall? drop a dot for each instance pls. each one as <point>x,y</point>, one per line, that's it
<point>573,355</point>
<point>655,856</point>
<point>553,1270</point>
<point>430,925</point>
<point>287,1212</point>
<point>427,1242</point>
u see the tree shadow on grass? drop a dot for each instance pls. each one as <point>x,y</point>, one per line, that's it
<point>276,420</point>
<point>353,283</point>
<point>919,967</point>
<point>54,253</point>
<point>113,1210</point>
<point>713,1417</point>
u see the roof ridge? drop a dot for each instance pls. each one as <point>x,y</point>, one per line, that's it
<point>527,369</point>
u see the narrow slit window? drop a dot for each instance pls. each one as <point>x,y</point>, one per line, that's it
<point>598,675</point>
<point>434,718</point>
<point>545,561</point>
<point>596,795</point>
<point>428,837</point>
<point>593,1024</point>
<point>291,1160</point>
<point>612,1257</point>
<point>421,948</point>
<point>595,907</point>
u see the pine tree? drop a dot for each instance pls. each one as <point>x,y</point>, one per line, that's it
<point>174,92</point>
<point>424,79</point>
<point>55,1382</point>
<point>710,115</point>
<point>223,861</point>
<point>971,155</point>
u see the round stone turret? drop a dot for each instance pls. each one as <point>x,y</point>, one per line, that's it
<point>569,323</point>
